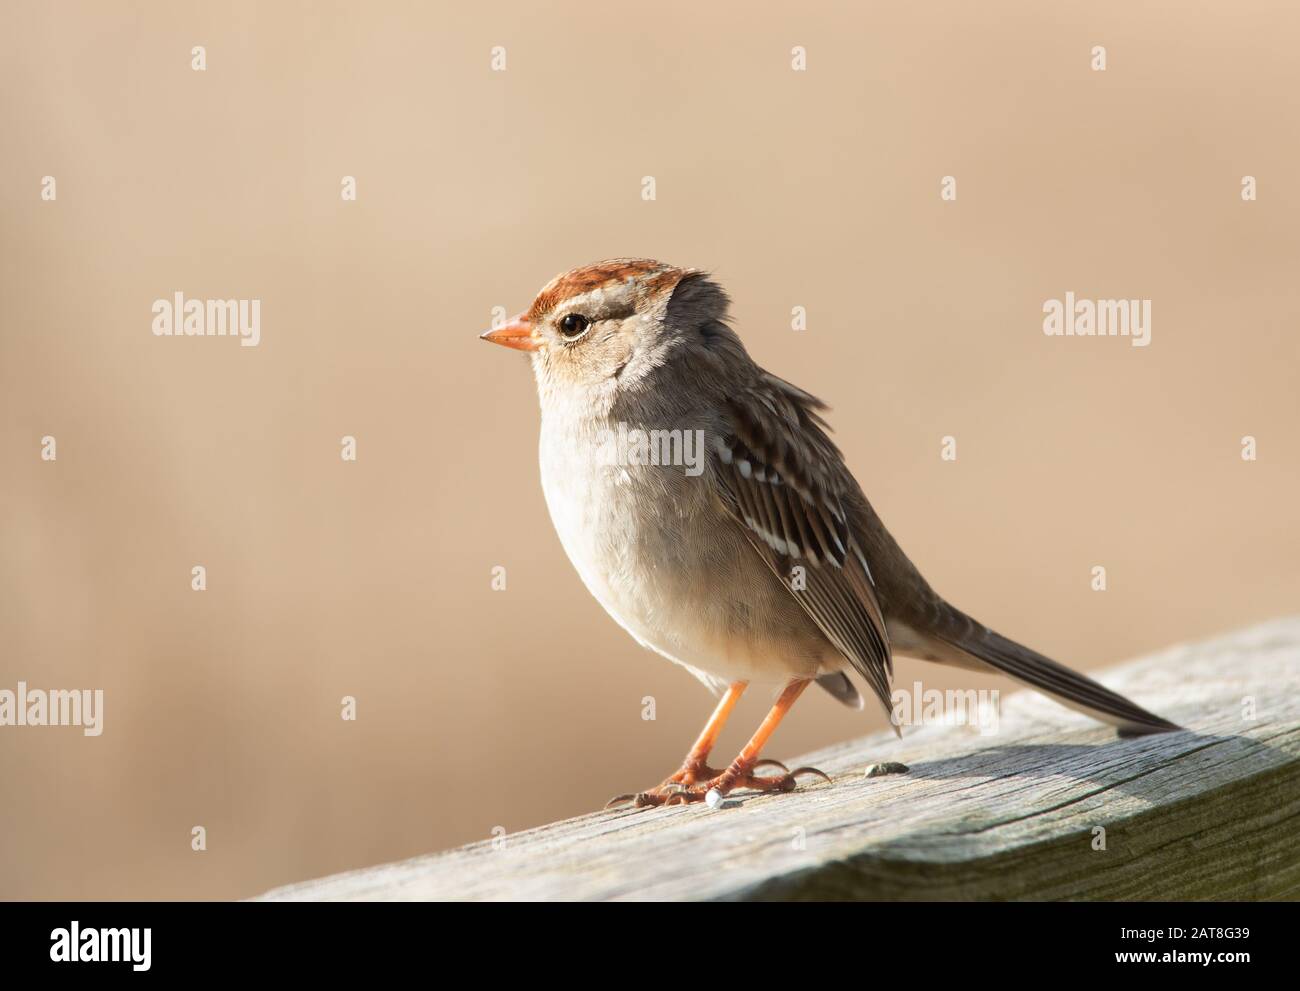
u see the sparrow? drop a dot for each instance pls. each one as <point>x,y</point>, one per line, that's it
<point>757,562</point>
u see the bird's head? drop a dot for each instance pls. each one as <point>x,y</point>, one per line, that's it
<point>606,327</point>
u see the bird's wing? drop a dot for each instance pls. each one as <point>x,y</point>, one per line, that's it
<point>785,482</point>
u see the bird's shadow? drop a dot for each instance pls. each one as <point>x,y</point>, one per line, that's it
<point>1126,764</point>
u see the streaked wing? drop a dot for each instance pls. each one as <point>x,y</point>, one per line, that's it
<point>786,483</point>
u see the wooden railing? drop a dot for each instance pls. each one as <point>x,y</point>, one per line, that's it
<point>1051,806</point>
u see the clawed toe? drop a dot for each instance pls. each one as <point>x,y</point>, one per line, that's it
<point>663,795</point>
<point>811,770</point>
<point>682,797</point>
<point>775,782</point>
<point>695,781</point>
<point>676,791</point>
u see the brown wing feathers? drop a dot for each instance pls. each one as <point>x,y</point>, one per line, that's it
<point>783,480</point>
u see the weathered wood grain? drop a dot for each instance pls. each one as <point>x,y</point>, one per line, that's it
<point>1213,813</point>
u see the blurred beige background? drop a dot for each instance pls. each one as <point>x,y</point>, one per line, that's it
<point>820,188</point>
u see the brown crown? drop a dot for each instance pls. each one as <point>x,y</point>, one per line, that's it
<point>652,277</point>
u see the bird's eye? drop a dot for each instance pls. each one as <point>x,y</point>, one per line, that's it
<point>573,326</point>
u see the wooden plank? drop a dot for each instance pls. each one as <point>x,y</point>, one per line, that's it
<point>1205,814</point>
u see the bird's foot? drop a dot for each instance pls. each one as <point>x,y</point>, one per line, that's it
<point>696,784</point>
<point>694,771</point>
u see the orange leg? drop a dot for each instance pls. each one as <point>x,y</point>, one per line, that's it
<point>695,767</point>
<point>743,765</point>
<point>696,780</point>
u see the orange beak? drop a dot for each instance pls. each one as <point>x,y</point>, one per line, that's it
<point>516,333</point>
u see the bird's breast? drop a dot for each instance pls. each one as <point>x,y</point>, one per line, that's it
<point>628,528</point>
<point>654,546</point>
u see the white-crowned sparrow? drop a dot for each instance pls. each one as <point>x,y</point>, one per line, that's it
<point>753,558</point>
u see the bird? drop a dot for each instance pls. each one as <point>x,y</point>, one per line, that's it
<point>751,556</point>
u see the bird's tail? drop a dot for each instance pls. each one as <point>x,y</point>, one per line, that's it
<point>1031,668</point>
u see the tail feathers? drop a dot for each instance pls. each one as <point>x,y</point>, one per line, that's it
<point>1066,686</point>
